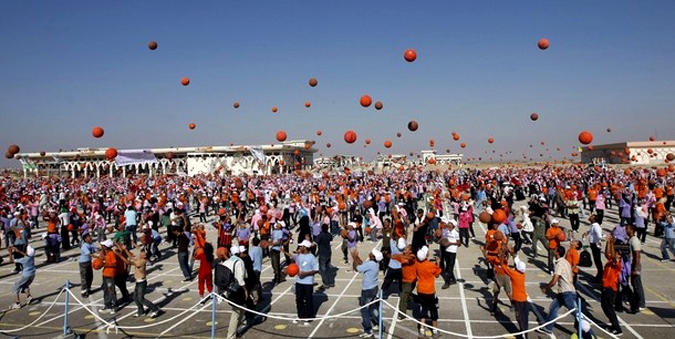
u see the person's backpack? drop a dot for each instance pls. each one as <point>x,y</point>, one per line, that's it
<point>585,259</point>
<point>227,283</point>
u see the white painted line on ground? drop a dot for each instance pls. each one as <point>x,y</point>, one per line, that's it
<point>465,310</point>
<point>623,323</point>
<point>333,306</point>
<point>394,321</point>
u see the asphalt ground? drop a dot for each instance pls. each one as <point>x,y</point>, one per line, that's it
<point>463,307</point>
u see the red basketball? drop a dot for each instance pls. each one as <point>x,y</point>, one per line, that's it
<point>366,101</point>
<point>413,126</point>
<point>313,82</point>
<point>97,263</point>
<point>152,45</point>
<point>410,55</point>
<point>185,81</point>
<point>292,270</point>
<point>387,144</point>
<point>378,105</point>
<point>534,116</point>
<point>543,44</point>
<point>111,153</point>
<point>97,132</point>
<point>585,137</point>
<point>192,125</point>
<point>350,137</point>
<point>281,136</point>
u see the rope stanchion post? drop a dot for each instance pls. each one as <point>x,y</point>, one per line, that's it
<point>213,314</point>
<point>66,327</point>
<point>579,317</point>
<point>379,317</point>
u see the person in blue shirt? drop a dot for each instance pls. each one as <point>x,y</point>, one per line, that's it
<point>131,219</point>
<point>304,283</point>
<point>668,242</point>
<point>84,261</point>
<point>393,271</point>
<point>275,252</point>
<point>27,275</point>
<point>370,268</point>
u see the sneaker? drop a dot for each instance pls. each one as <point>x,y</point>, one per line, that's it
<point>377,328</point>
<point>29,299</point>
<point>366,335</point>
<point>642,309</point>
<point>446,286</point>
<point>665,260</point>
<point>543,331</point>
<point>154,315</point>
<point>15,306</point>
<point>136,315</point>
<point>186,280</point>
<point>436,334</point>
<point>616,332</point>
<point>305,323</point>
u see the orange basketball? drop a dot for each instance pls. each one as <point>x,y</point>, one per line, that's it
<point>344,233</point>
<point>499,236</point>
<point>543,44</point>
<point>498,216</point>
<point>484,217</point>
<point>13,149</point>
<point>378,105</point>
<point>455,137</point>
<point>152,45</point>
<point>432,161</point>
<point>350,137</point>
<point>670,156</point>
<point>308,104</point>
<point>192,125</point>
<point>387,144</point>
<point>292,269</point>
<point>313,82</point>
<point>274,109</point>
<point>43,153</point>
<point>185,81</point>
<point>367,141</point>
<point>462,145</point>
<point>97,263</point>
<point>410,55</point>
<point>491,140</point>
<point>328,145</point>
<point>236,104</point>
<point>318,132</point>
<point>652,138</point>
<point>111,153</point>
<point>661,172</point>
<point>585,137</point>
<point>366,100</point>
<point>281,136</point>
<point>97,132</point>
<point>534,116</point>
<point>368,230</point>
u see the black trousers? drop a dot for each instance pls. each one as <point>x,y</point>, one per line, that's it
<point>121,283</point>
<point>607,301</point>
<point>597,259</point>
<point>451,258</point>
<point>303,300</point>
<point>86,277</point>
<point>522,309</point>
<point>574,221</point>
<point>392,274</point>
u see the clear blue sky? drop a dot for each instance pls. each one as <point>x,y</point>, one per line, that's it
<point>67,66</point>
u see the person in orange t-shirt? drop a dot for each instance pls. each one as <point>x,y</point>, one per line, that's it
<point>572,256</point>
<point>109,267</point>
<point>427,272</point>
<point>610,285</point>
<point>409,277</point>
<point>519,293</point>
<point>554,235</point>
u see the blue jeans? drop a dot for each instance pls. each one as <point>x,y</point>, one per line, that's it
<point>184,266</point>
<point>667,244</point>
<point>568,299</point>
<point>369,314</point>
<point>133,229</point>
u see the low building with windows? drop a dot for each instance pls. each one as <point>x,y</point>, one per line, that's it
<point>632,152</point>
<point>284,157</point>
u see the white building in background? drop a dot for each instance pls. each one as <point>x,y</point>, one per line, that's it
<point>284,157</point>
<point>632,152</point>
<point>337,161</point>
<point>442,159</point>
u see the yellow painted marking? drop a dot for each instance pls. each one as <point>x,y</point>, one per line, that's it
<point>88,316</point>
<point>541,275</point>
<point>187,299</point>
<point>353,330</point>
<point>280,327</point>
<point>647,312</point>
<point>34,313</point>
<point>208,323</point>
<point>149,320</point>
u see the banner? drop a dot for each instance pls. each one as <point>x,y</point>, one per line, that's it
<point>258,153</point>
<point>126,158</point>
<point>27,164</point>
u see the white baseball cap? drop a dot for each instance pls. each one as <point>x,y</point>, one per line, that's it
<point>305,243</point>
<point>400,244</point>
<point>521,266</point>
<point>422,253</point>
<point>377,254</point>
<point>234,250</point>
<point>555,221</point>
<point>107,243</point>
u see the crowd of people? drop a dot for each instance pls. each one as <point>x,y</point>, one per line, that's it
<point>420,220</point>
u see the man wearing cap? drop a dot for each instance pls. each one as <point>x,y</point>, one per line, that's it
<point>109,264</point>
<point>304,283</point>
<point>427,272</point>
<point>554,235</point>
<point>27,260</point>
<point>370,268</point>
<point>450,243</point>
<point>518,291</point>
<point>236,266</point>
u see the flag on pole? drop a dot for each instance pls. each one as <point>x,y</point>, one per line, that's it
<point>258,153</point>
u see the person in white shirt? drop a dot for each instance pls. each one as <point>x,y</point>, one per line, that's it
<point>236,265</point>
<point>451,242</point>
<point>595,239</point>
